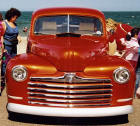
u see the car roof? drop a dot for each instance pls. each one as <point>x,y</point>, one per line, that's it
<point>68,10</point>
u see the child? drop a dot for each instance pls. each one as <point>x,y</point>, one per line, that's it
<point>132,45</point>
<point>132,55</point>
<point>119,32</point>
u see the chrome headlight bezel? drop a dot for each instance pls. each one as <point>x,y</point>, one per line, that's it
<point>22,69</point>
<point>121,75</point>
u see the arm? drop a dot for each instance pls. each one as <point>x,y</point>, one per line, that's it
<point>4,27</point>
<point>2,44</point>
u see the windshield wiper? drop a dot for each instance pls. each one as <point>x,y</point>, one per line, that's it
<point>68,35</point>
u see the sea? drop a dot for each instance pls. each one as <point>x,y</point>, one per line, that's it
<point>132,18</point>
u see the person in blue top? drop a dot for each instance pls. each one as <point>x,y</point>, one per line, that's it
<point>11,38</point>
<point>11,31</point>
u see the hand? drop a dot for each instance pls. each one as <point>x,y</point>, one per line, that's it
<point>2,48</point>
<point>138,93</point>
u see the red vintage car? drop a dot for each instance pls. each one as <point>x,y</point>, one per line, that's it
<point>67,71</point>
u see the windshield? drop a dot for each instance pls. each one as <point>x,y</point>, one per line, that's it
<point>68,24</point>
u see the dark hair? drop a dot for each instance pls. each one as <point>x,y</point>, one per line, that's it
<point>1,18</point>
<point>134,31</point>
<point>11,13</point>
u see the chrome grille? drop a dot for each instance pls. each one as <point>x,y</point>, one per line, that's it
<point>69,92</point>
<point>69,78</point>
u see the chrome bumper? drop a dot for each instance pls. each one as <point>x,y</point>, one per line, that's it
<point>70,112</point>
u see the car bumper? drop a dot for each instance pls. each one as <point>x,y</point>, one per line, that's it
<point>70,112</point>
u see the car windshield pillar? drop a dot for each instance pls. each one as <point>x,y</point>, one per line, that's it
<point>68,24</point>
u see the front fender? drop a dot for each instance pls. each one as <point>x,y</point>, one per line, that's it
<point>33,63</point>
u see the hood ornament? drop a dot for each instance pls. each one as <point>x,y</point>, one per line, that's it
<point>69,77</point>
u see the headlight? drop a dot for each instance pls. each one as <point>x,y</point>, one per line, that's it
<point>19,73</point>
<point>121,75</point>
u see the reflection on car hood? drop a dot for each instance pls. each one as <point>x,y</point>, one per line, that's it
<point>70,53</point>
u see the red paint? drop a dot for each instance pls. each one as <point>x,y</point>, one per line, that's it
<point>52,56</point>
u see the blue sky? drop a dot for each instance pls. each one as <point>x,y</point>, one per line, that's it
<point>103,5</point>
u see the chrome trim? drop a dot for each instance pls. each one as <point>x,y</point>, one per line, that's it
<point>15,97</point>
<point>70,96</point>
<point>42,85</point>
<point>66,91</point>
<point>22,67</point>
<point>68,105</point>
<point>124,100</point>
<point>69,101</point>
<point>62,111</point>
<point>69,90</point>
<point>118,69</point>
<point>69,78</point>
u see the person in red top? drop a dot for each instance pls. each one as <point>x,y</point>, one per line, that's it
<point>117,31</point>
<point>120,34</point>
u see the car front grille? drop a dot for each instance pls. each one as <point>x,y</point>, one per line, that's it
<point>60,92</point>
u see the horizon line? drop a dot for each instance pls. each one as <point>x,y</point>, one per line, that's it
<point>97,9</point>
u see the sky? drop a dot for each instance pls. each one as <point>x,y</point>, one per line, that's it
<point>102,5</point>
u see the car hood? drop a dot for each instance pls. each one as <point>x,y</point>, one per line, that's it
<point>69,53</point>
